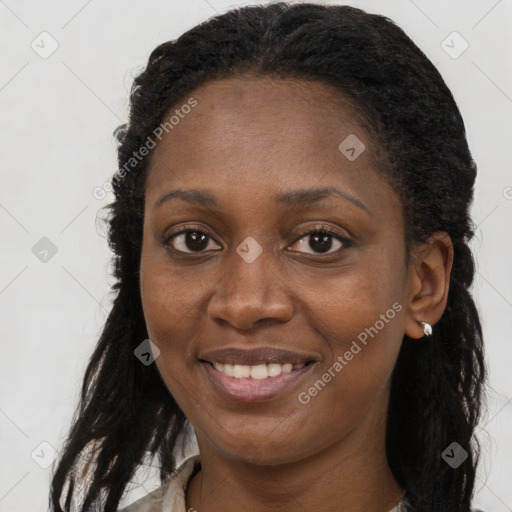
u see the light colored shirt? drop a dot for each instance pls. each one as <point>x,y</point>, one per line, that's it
<point>171,496</point>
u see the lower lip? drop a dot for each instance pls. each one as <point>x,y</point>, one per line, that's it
<point>253,390</point>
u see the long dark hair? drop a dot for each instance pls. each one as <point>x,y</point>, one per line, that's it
<point>126,411</point>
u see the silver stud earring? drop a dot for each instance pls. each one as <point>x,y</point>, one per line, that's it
<point>427,328</point>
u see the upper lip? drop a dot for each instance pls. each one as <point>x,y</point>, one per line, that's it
<point>255,356</point>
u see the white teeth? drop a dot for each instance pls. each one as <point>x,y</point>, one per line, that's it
<point>241,371</point>
<point>287,368</point>
<point>258,371</point>
<point>273,369</point>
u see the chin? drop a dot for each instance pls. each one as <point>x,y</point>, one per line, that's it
<point>260,448</point>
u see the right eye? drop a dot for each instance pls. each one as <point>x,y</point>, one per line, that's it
<point>189,241</point>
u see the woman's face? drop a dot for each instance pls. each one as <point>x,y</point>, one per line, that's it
<point>251,170</point>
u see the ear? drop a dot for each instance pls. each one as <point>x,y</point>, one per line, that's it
<point>428,282</point>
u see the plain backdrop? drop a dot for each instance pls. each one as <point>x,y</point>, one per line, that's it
<point>58,112</point>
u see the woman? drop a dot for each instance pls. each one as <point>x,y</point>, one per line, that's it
<point>291,227</point>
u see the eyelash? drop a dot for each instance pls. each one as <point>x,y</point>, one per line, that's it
<point>323,230</point>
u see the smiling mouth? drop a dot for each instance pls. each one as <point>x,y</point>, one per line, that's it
<point>256,374</point>
<point>255,383</point>
<point>258,371</point>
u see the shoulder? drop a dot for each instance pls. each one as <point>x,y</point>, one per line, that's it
<point>170,497</point>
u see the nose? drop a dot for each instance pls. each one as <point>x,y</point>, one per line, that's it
<point>251,293</point>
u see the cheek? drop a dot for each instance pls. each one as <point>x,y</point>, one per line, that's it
<point>173,300</point>
<point>347,304</point>
<point>171,295</point>
<point>170,320</point>
<point>361,316</point>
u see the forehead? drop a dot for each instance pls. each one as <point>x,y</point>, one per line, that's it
<point>266,133</point>
<point>308,110</point>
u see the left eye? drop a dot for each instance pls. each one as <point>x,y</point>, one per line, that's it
<point>321,241</point>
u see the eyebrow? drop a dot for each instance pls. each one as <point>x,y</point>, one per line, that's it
<point>293,199</point>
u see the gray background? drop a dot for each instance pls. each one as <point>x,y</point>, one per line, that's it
<point>58,115</point>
